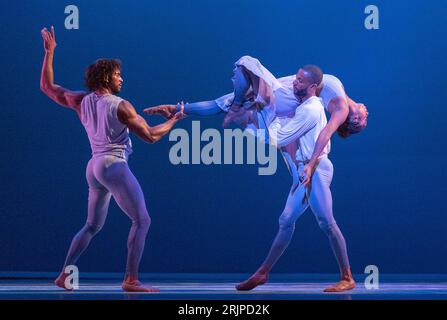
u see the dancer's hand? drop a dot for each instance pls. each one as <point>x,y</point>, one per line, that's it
<point>259,105</point>
<point>165,110</point>
<point>306,175</point>
<point>49,40</point>
<point>180,115</point>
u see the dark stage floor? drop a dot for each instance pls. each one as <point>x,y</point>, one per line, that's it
<point>221,287</point>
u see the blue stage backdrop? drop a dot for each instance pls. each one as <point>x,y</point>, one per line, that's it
<point>389,183</point>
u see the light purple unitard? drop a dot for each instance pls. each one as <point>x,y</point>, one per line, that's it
<point>108,175</point>
<point>290,125</point>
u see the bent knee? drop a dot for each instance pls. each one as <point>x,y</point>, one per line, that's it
<point>328,227</point>
<point>246,58</point>
<point>93,228</point>
<point>144,221</point>
<point>286,221</point>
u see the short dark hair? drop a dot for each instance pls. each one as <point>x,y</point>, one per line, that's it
<point>316,75</point>
<point>343,130</point>
<point>97,73</point>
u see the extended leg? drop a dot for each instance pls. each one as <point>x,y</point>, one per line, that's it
<point>203,108</point>
<point>98,204</point>
<point>295,206</point>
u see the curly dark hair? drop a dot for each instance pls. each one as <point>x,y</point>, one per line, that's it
<point>96,74</point>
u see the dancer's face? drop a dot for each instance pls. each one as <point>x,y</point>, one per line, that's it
<point>358,114</point>
<point>116,82</point>
<point>302,84</point>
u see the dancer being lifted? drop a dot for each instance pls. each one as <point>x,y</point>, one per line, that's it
<point>259,97</point>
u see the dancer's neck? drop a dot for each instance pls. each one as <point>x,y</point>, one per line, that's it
<point>102,91</point>
<point>303,99</point>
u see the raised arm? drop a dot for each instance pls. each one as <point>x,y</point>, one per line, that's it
<point>339,113</point>
<point>64,97</point>
<point>128,116</point>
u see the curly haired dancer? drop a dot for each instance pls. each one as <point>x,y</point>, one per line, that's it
<point>107,120</point>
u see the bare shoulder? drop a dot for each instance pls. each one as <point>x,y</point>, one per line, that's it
<point>338,105</point>
<point>71,99</point>
<point>74,97</point>
<point>339,114</point>
<point>126,111</point>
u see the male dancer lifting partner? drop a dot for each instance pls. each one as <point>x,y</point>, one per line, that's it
<point>285,105</point>
<point>107,120</point>
<point>256,88</point>
<point>305,127</point>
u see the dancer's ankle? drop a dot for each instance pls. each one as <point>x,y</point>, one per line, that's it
<point>262,270</point>
<point>131,278</point>
<point>347,275</point>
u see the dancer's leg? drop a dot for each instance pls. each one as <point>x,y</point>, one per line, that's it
<point>251,81</point>
<point>320,200</point>
<point>208,108</point>
<point>98,204</point>
<point>127,192</point>
<point>203,108</point>
<point>295,206</point>
<point>241,84</point>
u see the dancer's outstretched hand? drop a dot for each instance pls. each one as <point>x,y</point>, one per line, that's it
<point>49,39</point>
<point>165,110</point>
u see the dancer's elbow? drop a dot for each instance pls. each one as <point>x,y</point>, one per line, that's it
<point>151,138</point>
<point>44,87</point>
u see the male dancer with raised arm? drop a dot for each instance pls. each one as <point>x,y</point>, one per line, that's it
<point>304,128</point>
<point>107,120</point>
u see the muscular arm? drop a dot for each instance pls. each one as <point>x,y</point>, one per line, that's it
<point>128,116</point>
<point>339,112</point>
<point>62,96</point>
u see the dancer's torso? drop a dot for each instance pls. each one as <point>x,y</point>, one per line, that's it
<point>107,135</point>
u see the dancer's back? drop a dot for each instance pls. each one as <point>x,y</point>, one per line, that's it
<point>107,135</point>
